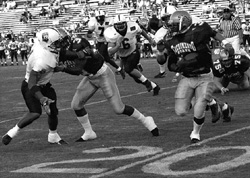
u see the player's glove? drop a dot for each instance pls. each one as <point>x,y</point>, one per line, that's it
<point>45,102</point>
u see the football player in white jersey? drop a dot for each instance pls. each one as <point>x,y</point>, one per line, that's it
<point>36,89</point>
<point>121,38</point>
<point>23,46</point>
<point>97,26</point>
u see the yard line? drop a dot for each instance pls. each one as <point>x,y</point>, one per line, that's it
<point>183,148</point>
<point>96,102</point>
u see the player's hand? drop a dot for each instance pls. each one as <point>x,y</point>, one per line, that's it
<point>119,41</point>
<point>59,68</point>
<point>152,42</point>
<point>224,90</point>
<point>45,102</point>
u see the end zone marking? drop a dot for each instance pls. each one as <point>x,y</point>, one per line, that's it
<point>122,168</point>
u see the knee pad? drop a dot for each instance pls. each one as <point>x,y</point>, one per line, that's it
<point>80,112</point>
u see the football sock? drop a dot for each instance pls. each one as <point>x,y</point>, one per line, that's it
<point>153,84</point>
<point>84,120</point>
<point>136,114</point>
<point>212,102</point>
<point>14,131</point>
<point>53,136</point>
<point>224,107</point>
<point>197,126</point>
<point>162,68</point>
<point>142,78</point>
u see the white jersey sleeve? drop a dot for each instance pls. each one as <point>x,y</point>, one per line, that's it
<point>160,34</point>
<point>42,61</point>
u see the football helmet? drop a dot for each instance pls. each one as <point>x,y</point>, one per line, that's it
<point>226,57</point>
<point>179,22</point>
<point>100,16</point>
<point>53,39</point>
<point>120,23</point>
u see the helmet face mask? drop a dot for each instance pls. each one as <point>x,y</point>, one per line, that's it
<point>179,22</point>
<point>120,23</point>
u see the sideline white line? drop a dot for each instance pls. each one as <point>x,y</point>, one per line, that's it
<point>167,153</point>
<point>96,102</point>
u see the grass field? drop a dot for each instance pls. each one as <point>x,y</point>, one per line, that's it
<point>124,148</point>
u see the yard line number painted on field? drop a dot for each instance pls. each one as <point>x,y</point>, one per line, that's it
<point>160,166</point>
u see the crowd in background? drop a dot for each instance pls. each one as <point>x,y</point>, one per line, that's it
<point>152,11</point>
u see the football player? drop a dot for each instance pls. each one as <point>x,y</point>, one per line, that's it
<point>189,55</point>
<point>232,68</point>
<point>96,75</point>
<point>2,52</point>
<point>36,89</point>
<point>97,26</point>
<point>13,47</point>
<point>121,38</point>
<point>23,46</point>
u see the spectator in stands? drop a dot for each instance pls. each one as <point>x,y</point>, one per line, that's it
<point>43,12</point>
<point>33,3</point>
<point>206,10</point>
<point>230,27</point>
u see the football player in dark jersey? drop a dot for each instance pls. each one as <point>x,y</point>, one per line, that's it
<point>232,68</point>
<point>190,56</point>
<point>97,75</point>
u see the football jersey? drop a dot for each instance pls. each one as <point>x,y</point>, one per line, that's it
<point>194,44</point>
<point>128,45</point>
<point>42,61</point>
<point>240,64</point>
<point>99,29</point>
<point>13,45</point>
<point>23,46</point>
<point>2,45</point>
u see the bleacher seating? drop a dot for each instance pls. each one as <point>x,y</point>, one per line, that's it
<point>11,20</point>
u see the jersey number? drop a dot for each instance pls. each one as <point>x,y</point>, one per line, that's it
<point>102,30</point>
<point>125,45</point>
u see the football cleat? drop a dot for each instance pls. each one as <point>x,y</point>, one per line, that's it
<point>122,72</point>
<point>160,75</point>
<point>194,138</point>
<point>216,112</point>
<point>87,137</point>
<point>156,90</point>
<point>60,142</point>
<point>148,85</point>
<point>155,132</point>
<point>6,139</point>
<point>139,67</point>
<point>227,113</point>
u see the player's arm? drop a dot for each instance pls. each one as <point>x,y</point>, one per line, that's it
<point>36,92</point>
<point>146,36</point>
<point>113,47</point>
